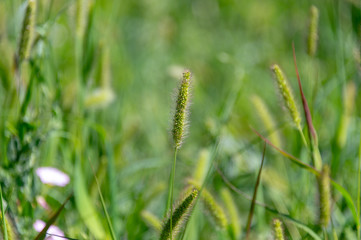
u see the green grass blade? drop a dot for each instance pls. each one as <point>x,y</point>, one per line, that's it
<point>269,209</point>
<point>289,156</point>
<point>337,186</point>
<point>348,199</point>
<point>110,226</point>
<point>3,220</point>
<point>85,207</point>
<point>359,188</point>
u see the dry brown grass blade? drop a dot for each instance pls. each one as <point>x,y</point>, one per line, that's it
<point>289,156</point>
<point>311,129</point>
<point>253,204</point>
<point>316,156</point>
<point>52,219</point>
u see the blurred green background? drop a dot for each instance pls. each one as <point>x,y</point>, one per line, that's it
<point>137,50</point>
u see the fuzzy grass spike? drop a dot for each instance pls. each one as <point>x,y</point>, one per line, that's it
<point>349,105</point>
<point>278,231</point>
<point>313,31</point>
<point>27,32</point>
<point>181,111</point>
<point>267,120</point>
<point>231,207</point>
<point>179,217</point>
<point>288,98</point>
<point>151,220</point>
<point>325,196</point>
<point>212,206</point>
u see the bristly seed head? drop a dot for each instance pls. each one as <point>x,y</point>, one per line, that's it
<point>27,32</point>
<point>287,95</point>
<point>325,196</point>
<point>278,231</point>
<point>214,209</point>
<point>179,216</point>
<point>180,116</point>
<point>313,31</point>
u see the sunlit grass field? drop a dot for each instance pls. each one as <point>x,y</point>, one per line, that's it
<point>89,91</point>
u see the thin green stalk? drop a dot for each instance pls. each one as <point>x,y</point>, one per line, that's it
<point>171,188</point>
<point>224,117</point>
<point>5,231</point>
<point>359,188</point>
<point>110,226</point>
<point>303,137</point>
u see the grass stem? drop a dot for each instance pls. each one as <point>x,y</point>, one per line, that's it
<point>171,188</point>
<point>5,231</point>
<point>359,187</point>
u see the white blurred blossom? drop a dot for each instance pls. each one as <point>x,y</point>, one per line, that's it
<point>52,176</point>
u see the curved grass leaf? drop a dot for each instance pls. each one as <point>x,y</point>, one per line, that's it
<point>337,186</point>
<point>85,206</point>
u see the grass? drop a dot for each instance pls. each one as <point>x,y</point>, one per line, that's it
<point>96,83</point>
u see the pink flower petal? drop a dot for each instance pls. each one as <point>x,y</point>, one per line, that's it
<point>42,202</point>
<point>39,226</point>
<point>52,176</point>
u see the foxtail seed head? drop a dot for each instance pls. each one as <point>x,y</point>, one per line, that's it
<point>325,196</point>
<point>349,105</point>
<point>267,119</point>
<point>151,220</point>
<point>313,31</point>
<point>27,31</point>
<point>180,116</point>
<point>234,219</point>
<point>278,231</point>
<point>179,217</point>
<point>213,208</point>
<point>287,95</point>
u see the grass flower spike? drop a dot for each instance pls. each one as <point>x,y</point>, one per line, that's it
<point>278,231</point>
<point>151,220</point>
<point>288,97</point>
<point>267,120</point>
<point>235,222</point>
<point>27,32</point>
<point>212,207</point>
<point>313,31</point>
<point>180,116</point>
<point>325,196</point>
<point>179,217</point>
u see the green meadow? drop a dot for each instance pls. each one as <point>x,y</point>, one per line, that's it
<point>193,119</point>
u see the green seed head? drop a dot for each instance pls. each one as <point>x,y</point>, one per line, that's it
<point>231,207</point>
<point>313,31</point>
<point>179,217</point>
<point>287,95</point>
<point>278,231</point>
<point>213,208</point>
<point>151,220</point>
<point>325,196</point>
<point>267,120</point>
<point>180,116</point>
<point>27,31</point>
